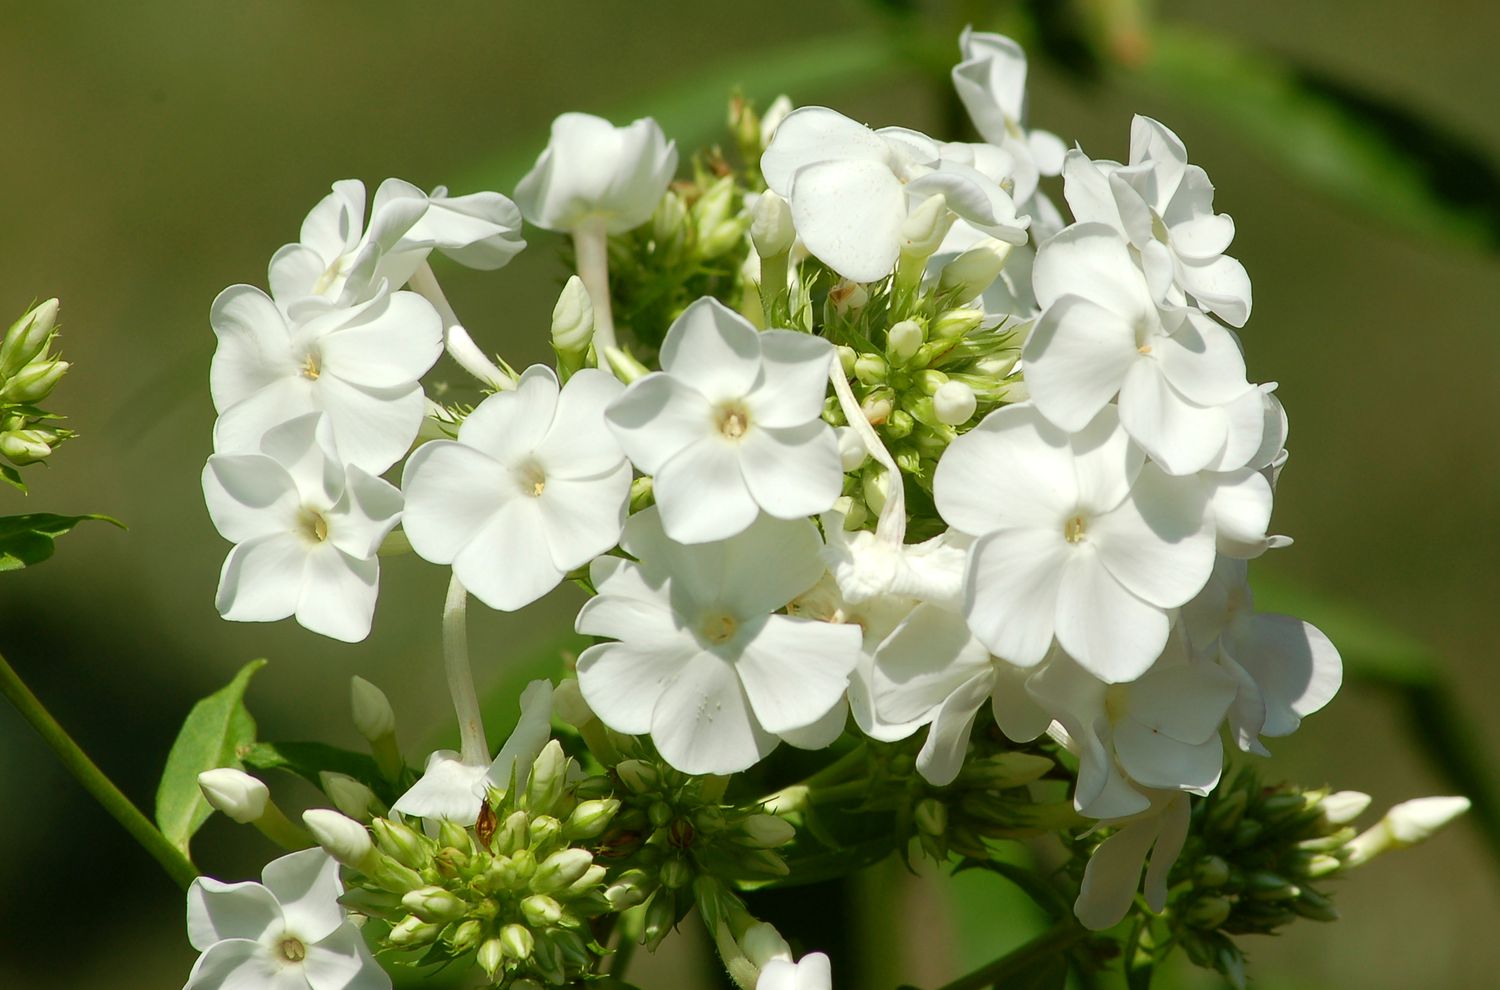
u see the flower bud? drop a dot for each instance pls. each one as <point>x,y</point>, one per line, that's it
<point>661,915</point>
<point>772,118</point>
<point>22,447</point>
<point>34,382</point>
<point>373,716</point>
<point>771,225</point>
<point>542,830</point>
<point>466,936</point>
<point>401,843</point>
<point>548,777</point>
<point>348,795</point>
<point>1406,824</point>
<point>712,208</point>
<point>954,403</point>
<point>573,320</point>
<point>972,272</point>
<point>723,238</point>
<point>434,904</point>
<point>345,839</point>
<point>638,775</point>
<point>27,337</point>
<point>924,228</point>
<point>956,323</point>
<point>899,424</point>
<point>561,869</point>
<point>765,831</point>
<point>930,816</point>
<point>847,357</point>
<point>929,380</point>
<point>591,818</point>
<point>490,956</point>
<point>1208,912</point>
<point>412,932</point>
<point>541,910</point>
<point>237,795</point>
<point>629,889</point>
<point>517,942</point>
<point>676,874</point>
<point>670,220</point>
<point>847,296</point>
<point>870,369</point>
<point>623,366</point>
<point>762,943</point>
<point>568,704</point>
<point>1211,872</point>
<point>852,452</point>
<point>1342,807</point>
<point>903,340</point>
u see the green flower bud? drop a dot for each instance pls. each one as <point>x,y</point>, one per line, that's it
<point>1342,807</point>
<point>373,715</point>
<point>23,447</point>
<point>930,816</point>
<point>1321,865</point>
<point>972,272</point>
<point>724,238</point>
<point>669,221</point>
<point>27,337</point>
<point>929,380</point>
<point>1315,906</point>
<point>954,323</point>
<point>345,839</point>
<point>871,369</point>
<point>623,365</point>
<point>1264,885</point>
<point>899,425</point>
<point>490,957</point>
<point>847,356</point>
<point>877,407</point>
<point>1211,872</point>
<point>513,834</point>
<point>590,818</point>
<point>902,341</point>
<point>660,813</point>
<point>765,832</point>
<point>712,208</point>
<point>349,795</point>
<point>1208,912</point>
<point>924,228</point>
<point>34,382</point>
<point>402,844</point>
<point>412,931</point>
<point>434,904</point>
<point>631,888</point>
<point>466,936</point>
<point>560,869</point>
<point>572,321</point>
<point>543,830</point>
<point>661,916</point>
<point>548,778</point>
<point>452,835</point>
<point>541,910</point>
<point>516,942</point>
<point>676,874</point>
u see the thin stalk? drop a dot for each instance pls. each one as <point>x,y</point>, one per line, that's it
<point>103,790</point>
<point>591,249</point>
<point>891,526</point>
<point>474,749</point>
<point>456,339</point>
<point>1053,941</point>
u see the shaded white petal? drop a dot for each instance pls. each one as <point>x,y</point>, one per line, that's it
<point>1157,543</point>
<point>342,961</point>
<point>239,964</point>
<point>919,665</point>
<point>582,519</point>
<point>794,379</point>
<point>510,425</point>
<point>248,496</point>
<point>334,225</point>
<point>294,272</point>
<point>579,444</point>
<point>508,564</point>
<point>1221,286</point>
<point>1012,596</point>
<point>1172,836</point>
<point>1295,666</point>
<point>1092,260</point>
<point>794,670</point>
<point>372,427</point>
<point>1105,462</point>
<point>1185,702</point>
<point>452,490</point>
<point>448,789</point>
<point>366,514</point>
<point>384,346</point>
<point>308,887</point>
<point>792,472</point>
<point>1154,142</point>
<point>849,216</point>
<point>262,579</point>
<point>240,427</point>
<point>656,418</point>
<point>338,594</point>
<point>1156,760</point>
<point>703,723</point>
<point>713,350</point>
<point>702,495</point>
<point>1013,469</point>
<point>817,134</point>
<point>254,348</point>
<point>1113,874</point>
<point>1086,188</point>
<point>1110,632</point>
<point>1203,237</point>
<point>217,911</point>
<point>1240,506</point>
<point>1181,436</point>
<point>622,682</point>
<point>1202,361</point>
<point>822,733</point>
<point>526,741</point>
<point>942,753</point>
<point>1077,357</point>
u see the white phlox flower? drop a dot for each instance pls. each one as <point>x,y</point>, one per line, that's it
<point>454,790</point>
<point>931,670</point>
<point>360,366</point>
<point>593,172</point>
<point>812,972</point>
<point>1078,538</point>
<point>731,426</point>
<point>1101,334</point>
<point>287,932</point>
<point>1165,207</point>
<point>700,661</point>
<point>1113,873</point>
<point>1286,669</point>
<point>851,189</point>
<point>991,82</point>
<point>534,487</point>
<point>1160,731</point>
<point>306,529</point>
<point>337,262</point>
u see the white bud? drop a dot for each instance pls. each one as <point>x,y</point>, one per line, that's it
<point>573,318</point>
<point>348,795</point>
<point>771,225</point>
<point>772,118</point>
<point>345,839</point>
<point>847,295</point>
<point>924,228</point>
<point>1342,807</point>
<point>973,271</point>
<point>568,704</point>
<point>903,340</point>
<point>1406,824</point>
<point>766,831</point>
<point>852,452</point>
<point>27,337</point>
<point>762,943</point>
<point>373,716</point>
<point>239,796</point>
<point>953,403</point>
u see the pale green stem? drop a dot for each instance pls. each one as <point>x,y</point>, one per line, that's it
<point>474,749</point>
<point>773,290</point>
<point>103,790</point>
<point>276,826</point>
<point>591,249</point>
<point>456,339</point>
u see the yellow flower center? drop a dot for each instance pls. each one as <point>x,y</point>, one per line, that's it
<point>292,950</point>
<point>733,422</point>
<point>312,525</point>
<point>310,367</point>
<point>1074,529</point>
<point>719,627</point>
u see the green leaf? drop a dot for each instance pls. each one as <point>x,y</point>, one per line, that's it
<point>12,477</point>
<point>28,540</point>
<point>1393,163</point>
<point>215,734</point>
<point>307,759</point>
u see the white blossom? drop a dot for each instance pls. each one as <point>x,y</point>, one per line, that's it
<point>1113,873</point>
<point>700,661</point>
<point>306,528</point>
<point>731,426</point>
<point>534,487</point>
<point>359,366</point>
<point>1078,538</point>
<point>594,172</point>
<point>287,932</point>
<point>812,972</point>
<point>851,189</point>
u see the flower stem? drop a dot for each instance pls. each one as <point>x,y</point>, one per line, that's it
<point>891,527</point>
<point>591,248</point>
<point>474,749</point>
<point>456,339</point>
<point>103,790</point>
<point>1053,941</point>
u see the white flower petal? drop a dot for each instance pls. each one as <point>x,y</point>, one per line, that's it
<point>714,349</point>
<point>942,753</point>
<point>366,514</point>
<point>1202,361</point>
<point>509,425</point>
<point>249,496</point>
<point>372,427</point>
<point>1155,760</point>
<point>217,911</point>
<point>239,964</point>
<point>795,670</point>
<point>1240,505</point>
<point>1181,436</point>
<point>342,961</point>
<point>622,682</point>
<point>452,490</point>
<point>702,722</point>
<point>921,664</point>
<point>1297,669</point>
<point>1185,702</point>
<point>449,789</point>
<point>793,381</point>
<point>254,349</point>
<point>1092,260</point>
<point>579,444</point>
<point>384,346</point>
<point>1013,469</point>
<point>262,579</point>
<point>508,564</point>
<point>240,427</point>
<point>817,134</point>
<point>338,594</point>
<point>849,215</point>
<point>1012,599</point>
<point>307,885</point>
<point>1157,543</point>
<point>1221,286</point>
<point>702,494</point>
<point>1110,632</point>
<point>1077,357</point>
<point>526,741</point>
<point>792,472</point>
<point>657,417</point>
<point>1113,875</point>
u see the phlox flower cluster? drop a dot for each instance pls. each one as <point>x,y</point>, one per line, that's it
<point>919,341</point>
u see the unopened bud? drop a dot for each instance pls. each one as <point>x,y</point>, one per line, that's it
<point>771,225</point>
<point>847,357</point>
<point>517,942</point>
<point>27,337</point>
<point>762,943</point>
<point>670,219</point>
<point>712,208</point>
<point>1211,872</point>
<point>561,869</point>
<point>676,874</point>
<point>412,931</point>
<point>467,935</point>
<point>490,956</point>
<point>22,447</point>
<point>1208,912</point>
<point>345,839</point>
<point>631,888</point>
<point>573,319</point>
<point>848,296</point>
<point>568,704</point>
<point>373,715</point>
<point>870,369</point>
<point>931,816</point>
<point>903,340</point>
<point>661,915</point>
<point>548,777</point>
<point>772,118</point>
<point>624,366</point>
<point>235,794</point>
<point>723,238</point>
<point>638,775</point>
<point>434,904</point>
<point>924,228</point>
<point>954,403</point>
<point>543,829</point>
<point>541,910</point>
<point>34,382</point>
<point>899,424</point>
<point>591,818</point>
<point>766,831</point>
<point>956,323</point>
<point>972,272</point>
<point>349,795</point>
<point>852,452</point>
<point>401,843</point>
<point>1342,807</point>
<point>513,833</point>
<point>1406,824</point>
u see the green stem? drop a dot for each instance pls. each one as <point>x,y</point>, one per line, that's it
<point>173,860</point>
<point>1054,940</point>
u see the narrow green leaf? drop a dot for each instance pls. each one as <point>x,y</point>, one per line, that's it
<point>12,477</point>
<point>1393,163</point>
<point>28,540</point>
<point>307,759</point>
<point>215,734</point>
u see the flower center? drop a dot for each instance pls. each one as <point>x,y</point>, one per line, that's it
<point>291,949</point>
<point>1116,702</point>
<point>312,525</point>
<point>733,422</point>
<point>1074,529</point>
<point>533,480</point>
<point>310,367</point>
<point>719,627</point>
<point>332,274</point>
<point>1158,228</point>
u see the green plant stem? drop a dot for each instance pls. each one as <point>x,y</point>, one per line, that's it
<point>177,865</point>
<point>1054,940</point>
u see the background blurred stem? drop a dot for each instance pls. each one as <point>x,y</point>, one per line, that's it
<point>178,866</point>
<point>1049,943</point>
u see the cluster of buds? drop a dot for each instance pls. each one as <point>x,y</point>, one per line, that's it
<point>29,371</point>
<point>674,834</point>
<point>516,890</point>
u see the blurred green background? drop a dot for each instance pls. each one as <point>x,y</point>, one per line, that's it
<point>153,153</point>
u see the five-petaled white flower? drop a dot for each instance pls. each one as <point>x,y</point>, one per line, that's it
<point>1079,538</point>
<point>287,932</point>
<point>358,365</point>
<point>534,487</point>
<point>701,662</point>
<point>731,426</point>
<point>593,172</point>
<point>306,528</point>
<point>851,189</point>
